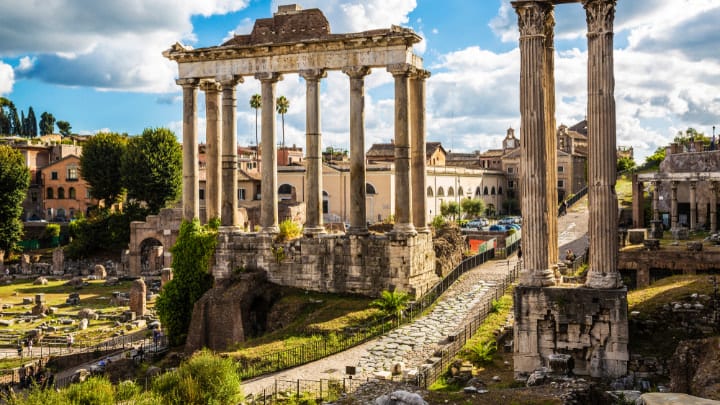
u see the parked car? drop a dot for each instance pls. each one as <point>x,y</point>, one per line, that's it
<point>498,228</point>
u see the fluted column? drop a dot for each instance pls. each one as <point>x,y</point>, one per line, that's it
<point>673,205</point>
<point>418,151</point>
<point>532,17</point>
<point>713,206</point>
<point>358,209</point>
<point>269,203</point>
<point>190,187</point>
<point>551,136</point>
<point>313,154</point>
<point>693,205</point>
<point>656,200</point>
<point>602,154</point>
<point>229,215</point>
<point>213,139</point>
<point>403,185</point>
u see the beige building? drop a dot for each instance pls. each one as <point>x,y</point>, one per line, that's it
<point>66,195</point>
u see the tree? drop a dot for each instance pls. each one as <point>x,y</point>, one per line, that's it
<point>23,124</point>
<point>625,163</point>
<point>473,207</point>
<point>283,104</point>
<point>15,123</point>
<point>654,160</point>
<point>99,163</point>
<point>450,209</point>
<point>152,168</point>
<point>391,303</point>
<point>31,125</point>
<point>14,182</point>
<point>47,123</point>
<point>191,259</point>
<point>5,125</point>
<point>256,103</point>
<point>64,128</point>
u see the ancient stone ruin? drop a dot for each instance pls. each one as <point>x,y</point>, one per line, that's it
<point>138,297</point>
<point>589,323</point>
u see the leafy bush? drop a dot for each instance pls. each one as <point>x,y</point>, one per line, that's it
<point>93,391</point>
<point>438,222</point>
<point>289,230</point>
<point>193,249</point>
<point>391,302</point>
<point>483,353</point>
<point>204,379</point>
<point>51,231</point>
<point>36,396</point>
<point>126,390</point>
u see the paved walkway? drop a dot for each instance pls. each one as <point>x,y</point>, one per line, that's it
<point>414,343</point>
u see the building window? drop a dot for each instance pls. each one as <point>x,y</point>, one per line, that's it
<point>53,175</point>
<point>510,169</point>
<point>561,169</point>
<point>561,184</point>
<point>50,194</point>
<point>478,193</point>
<point>429,192</point>
<point>440,192</point>
<point>33,196</point>
<point>492,191</point>
<point>485,191</point>
<point>241,194</point>
<point>370,189</point>
<point>72,173</point>
<point>460,191</point>
<point>451,192</point>
<point>201,194</point>
<point>61,193</point>
<point>285,189</point>
<point>71,193</point>
<point>511,184</point>
<point>326,204</point>
<point>499,190</point>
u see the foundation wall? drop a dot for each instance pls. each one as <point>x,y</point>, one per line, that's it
<point>591,325</point>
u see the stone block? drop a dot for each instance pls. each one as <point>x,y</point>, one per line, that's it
<point>382,375</point>
<point>636,236</point>
<point>83,324</point>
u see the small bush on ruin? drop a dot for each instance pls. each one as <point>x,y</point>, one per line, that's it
<point>289,230</point>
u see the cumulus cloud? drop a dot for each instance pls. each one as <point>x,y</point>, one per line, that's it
<point>107,45</point>
<point>7,78</point>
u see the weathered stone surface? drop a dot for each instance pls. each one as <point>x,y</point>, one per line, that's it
<point>656,398</point>
<point>694,366</point>
<point>400,398</point>
<point>99,272</point>
<point>230,311</point>
<point>88,313</point>
<point>166,275</point>
<point>138,297</point>
<point>40,281</point>
<point>58,264</point>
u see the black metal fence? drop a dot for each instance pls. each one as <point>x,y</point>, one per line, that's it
<point>572,200</point>
<point>324,345</point>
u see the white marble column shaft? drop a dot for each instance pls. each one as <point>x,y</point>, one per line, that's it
<point>419,151</point>
<point>313,155</point>
<point>602,154</point>
<point>358,191</point>
<point>213,140</point>
<point>551,137</point>
<point>269,204</point>
<point>191,167</point>
<point>229,216</point>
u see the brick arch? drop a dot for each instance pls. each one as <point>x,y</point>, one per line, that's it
<point>164,228</point>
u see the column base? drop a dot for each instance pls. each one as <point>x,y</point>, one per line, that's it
<point>423,229</point>
<point>312,231</point>
<point>270,230</point>
<point>402,231</point>
<point>537,278</point>
<point>599,280</point>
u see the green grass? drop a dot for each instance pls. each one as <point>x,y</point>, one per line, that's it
<point>667,290</point>
<point>478,347</point>
<point>623,188</point>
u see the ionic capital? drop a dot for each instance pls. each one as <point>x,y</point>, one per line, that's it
<point>313,74</point>
<point>229,80</point>
<point>356,72</point>
<point>187,83</point>
<point>533,17</point>
<point>600,15</point>
<point>401,69</point>
<point>210,86</point>
<point>421,74</point>
<point>268,76</point>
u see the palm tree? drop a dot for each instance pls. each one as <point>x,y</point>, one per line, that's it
<point>392,303</point>
<point>282,108</point>
<point>256,102</point>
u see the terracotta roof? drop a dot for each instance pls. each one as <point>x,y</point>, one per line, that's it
<point>492,153</point>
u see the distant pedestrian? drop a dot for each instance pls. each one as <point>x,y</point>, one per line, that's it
<point>19,349</point>
<point>70,341</point>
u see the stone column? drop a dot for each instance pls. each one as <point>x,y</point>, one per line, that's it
<point>602,154</point>
<point>713,206</point>
<point>403,186</point>
<point>358,206</point>
<point>269,203</point>
<point>638,202</point>
<point>656,200</point>
<point>213,128</point>
<point>313,155</point>
<point>190,192</point>
<point>229,216</point>
<point>693,205</point>
<point>550,136</point>
<point>138,297</point>
<point>419,151</point>
<point>673,205</point>
<point>532,17</point>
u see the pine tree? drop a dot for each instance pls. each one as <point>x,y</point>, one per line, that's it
<point>15,123</point>
<point>32,129</point>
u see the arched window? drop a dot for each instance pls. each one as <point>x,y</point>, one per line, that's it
<point>60,213</point>
<point>72,213</point>
<point>441,192</point>
<point>485,191</point>
<point>451,192</point>
<point>326,200</point>
<point>50,193</point>
<point>492,191</point>
<point>285,189</point>
<point>478,193</point>
<point>71,193</point>
<point>429,192</point>
<point>61,193</point>
<point>370,189</point>
<point>500,190</point>
<point>460,191</point>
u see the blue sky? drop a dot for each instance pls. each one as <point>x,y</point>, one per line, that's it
<point>98,65</point>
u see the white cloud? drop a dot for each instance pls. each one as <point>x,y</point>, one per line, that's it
<point>360,15</point>
<point>7,78</point>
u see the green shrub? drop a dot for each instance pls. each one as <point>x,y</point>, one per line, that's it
<point>289,230</point>
<point>483,353</point>
<point>204,379</point>
<point>391,302</point>
<point>438,222</point>
<point>93,391</point>
<point>126,390</point>
<point>36,396</point>
<point>51,231</point>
